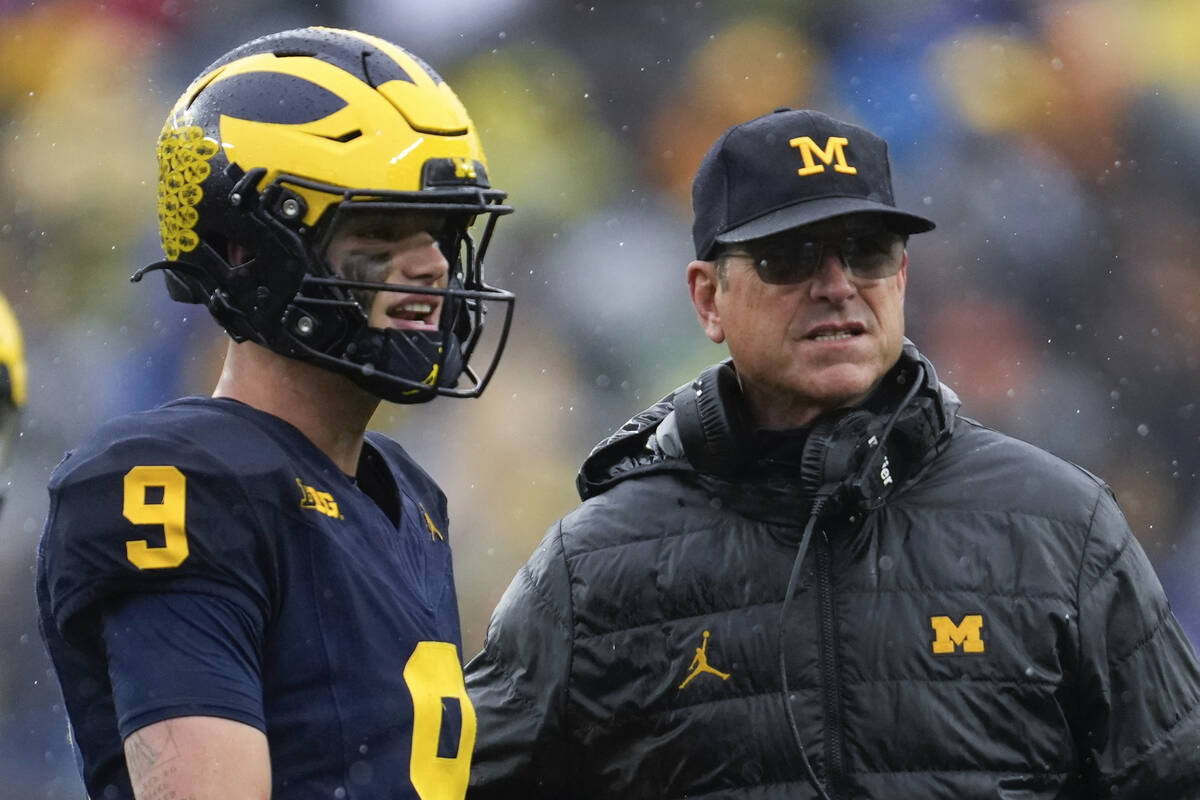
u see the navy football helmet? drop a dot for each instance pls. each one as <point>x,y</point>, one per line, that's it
<point>278,141</point>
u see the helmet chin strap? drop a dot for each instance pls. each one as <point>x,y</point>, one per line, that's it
<point>387,353</point>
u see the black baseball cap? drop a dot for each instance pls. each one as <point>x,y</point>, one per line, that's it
<point>787,169</point>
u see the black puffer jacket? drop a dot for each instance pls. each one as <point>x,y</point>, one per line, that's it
<point>993,631</point>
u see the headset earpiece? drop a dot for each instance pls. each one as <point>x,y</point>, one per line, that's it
<point>845,457</point>
<point>834,448</point>
<point>714,426</point>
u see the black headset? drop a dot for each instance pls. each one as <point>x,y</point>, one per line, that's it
<point>853,456</point>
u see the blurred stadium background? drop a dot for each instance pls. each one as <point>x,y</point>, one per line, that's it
<point>1055,143</point>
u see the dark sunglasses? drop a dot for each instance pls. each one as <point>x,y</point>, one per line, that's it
<point>868,256</point>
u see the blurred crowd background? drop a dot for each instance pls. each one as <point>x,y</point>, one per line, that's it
<point>1055,144</point>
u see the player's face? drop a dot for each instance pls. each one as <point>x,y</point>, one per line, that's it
<point>806,347</point>
<point>399,249</point>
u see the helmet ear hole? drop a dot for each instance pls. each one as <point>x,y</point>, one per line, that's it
<point>236,253</point>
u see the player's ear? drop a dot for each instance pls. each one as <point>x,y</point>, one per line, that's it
<point>704,284</point>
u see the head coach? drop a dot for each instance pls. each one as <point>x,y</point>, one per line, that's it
<point>806,574</point>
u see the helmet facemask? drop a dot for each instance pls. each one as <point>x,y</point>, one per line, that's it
<point>408,361</point>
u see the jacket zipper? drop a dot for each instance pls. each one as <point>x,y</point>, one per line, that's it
<point>830,681</point>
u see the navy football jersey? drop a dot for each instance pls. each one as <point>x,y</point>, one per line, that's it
<point>344,608</point>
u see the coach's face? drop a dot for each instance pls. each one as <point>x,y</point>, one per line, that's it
<point>818,342</point>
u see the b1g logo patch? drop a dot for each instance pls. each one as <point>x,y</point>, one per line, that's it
<point>317,500</point>
<point>949,636</point>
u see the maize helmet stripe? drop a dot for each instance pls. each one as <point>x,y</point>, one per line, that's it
<point>407,63</point>
<point>425,100</point>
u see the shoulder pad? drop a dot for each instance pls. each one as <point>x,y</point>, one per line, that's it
<point>144,506</point>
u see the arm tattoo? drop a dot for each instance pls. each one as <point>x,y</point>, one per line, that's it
<point>149,760</point>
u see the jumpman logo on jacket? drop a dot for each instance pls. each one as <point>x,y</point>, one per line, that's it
<point>700,664</point>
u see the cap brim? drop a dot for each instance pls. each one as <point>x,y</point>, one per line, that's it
<point>810,211</point>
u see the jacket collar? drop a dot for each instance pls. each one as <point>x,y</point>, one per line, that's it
<point>649,443</point>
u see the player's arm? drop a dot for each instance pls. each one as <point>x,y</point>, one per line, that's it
<point>187,690</point>
<point>199,758</point>
<point>155,567</point>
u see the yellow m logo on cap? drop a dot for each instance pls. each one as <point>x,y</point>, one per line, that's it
<point>948,636</point>
<point>833,154</point>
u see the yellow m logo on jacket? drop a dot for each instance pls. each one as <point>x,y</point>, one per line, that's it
<point>948,636</point>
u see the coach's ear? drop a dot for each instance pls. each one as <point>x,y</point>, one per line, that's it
<point>704,284</point>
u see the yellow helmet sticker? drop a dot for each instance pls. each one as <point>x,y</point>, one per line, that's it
<point>183,155</point>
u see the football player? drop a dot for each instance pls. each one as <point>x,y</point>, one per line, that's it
<point>12,384</point>
<point>249,595</point>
